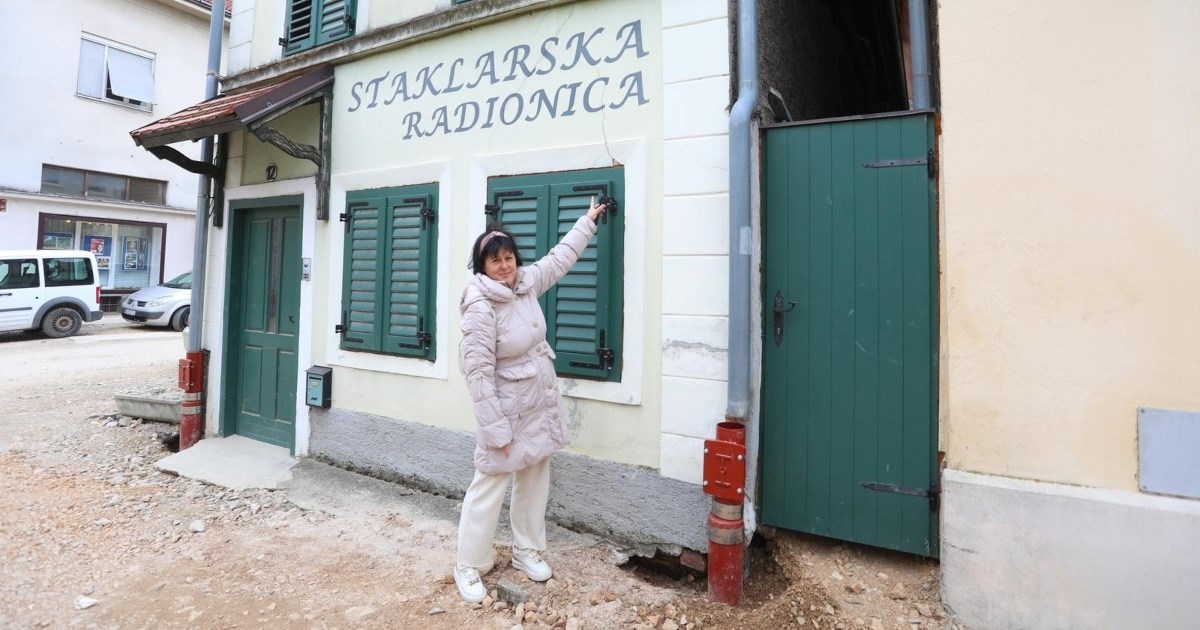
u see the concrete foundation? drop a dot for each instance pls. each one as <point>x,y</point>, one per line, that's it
<point>631,505</point>
<point>1024,554</point>
<point>150,404</point>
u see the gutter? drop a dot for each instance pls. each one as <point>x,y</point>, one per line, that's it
<point>725,457</point>
<point>192,368</point>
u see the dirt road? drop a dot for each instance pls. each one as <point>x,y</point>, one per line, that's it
<point>93,536</point>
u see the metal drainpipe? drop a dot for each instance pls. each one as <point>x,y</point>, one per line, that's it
<point>725,457</point>
<point>191,368</point>
<point>918,37</point>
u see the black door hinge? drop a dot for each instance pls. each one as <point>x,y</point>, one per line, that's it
<point>932,493</point>
<point>493,209</point>
<point>927,161</point>
<point>423,338</point>
<point>607,357</point>
<point>427,217</point>
<point>342,329</point>
<point>602,199</point>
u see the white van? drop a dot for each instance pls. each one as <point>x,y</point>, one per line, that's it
<point>55,290</point>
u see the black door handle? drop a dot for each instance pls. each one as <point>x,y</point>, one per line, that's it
<point>780,312</point>
<point>5,294</point>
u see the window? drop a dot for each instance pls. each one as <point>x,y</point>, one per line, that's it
<point>584,310</point>
<point>312,23</point>
<point>68,181</point>
<point>114,73</point>
<point>18,273</point>
<point>66,272</point>
<point>389,273</point>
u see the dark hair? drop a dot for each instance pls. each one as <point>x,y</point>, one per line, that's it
<point>501,241</point>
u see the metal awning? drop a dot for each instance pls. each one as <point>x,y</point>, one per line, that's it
<point>234,112</point>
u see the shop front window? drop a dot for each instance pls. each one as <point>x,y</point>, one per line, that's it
<point>128,255</point>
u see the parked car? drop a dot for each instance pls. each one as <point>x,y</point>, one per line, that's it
<point>167,304</point>
<point>54,290</point>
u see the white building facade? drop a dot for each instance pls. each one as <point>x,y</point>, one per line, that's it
<point>70,177</point>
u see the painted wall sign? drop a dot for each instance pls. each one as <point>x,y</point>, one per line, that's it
<point>579,58</point>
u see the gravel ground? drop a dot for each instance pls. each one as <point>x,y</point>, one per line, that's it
<point>93,536</point>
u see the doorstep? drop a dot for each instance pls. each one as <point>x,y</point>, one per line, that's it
<point>233,462</point>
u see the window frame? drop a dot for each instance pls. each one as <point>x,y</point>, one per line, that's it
<point>316,34</point>
<point>608,246</point>
<point>108,95</point>
<point>76,264</point>
<point>129,180</point>
<point>423,200</point>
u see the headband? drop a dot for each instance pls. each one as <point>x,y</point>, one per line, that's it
<point>490,235</point>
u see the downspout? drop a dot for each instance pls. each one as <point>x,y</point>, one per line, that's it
<point>725,457</point>
<point>918,37</point>
<point>738,406</point>
<point>192,368</point>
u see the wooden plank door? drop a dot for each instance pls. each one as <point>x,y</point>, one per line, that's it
<point>849,417</point>
<point>264,318</point>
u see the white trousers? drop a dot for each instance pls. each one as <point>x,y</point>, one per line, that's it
<point>481,512</point>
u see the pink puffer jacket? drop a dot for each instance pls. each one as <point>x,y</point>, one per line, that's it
<point>508,364</point>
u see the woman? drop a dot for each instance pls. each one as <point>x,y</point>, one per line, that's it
<point>509,369</point>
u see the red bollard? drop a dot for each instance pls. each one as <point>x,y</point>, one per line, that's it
<point>191,410</point>
<point>725,481</point>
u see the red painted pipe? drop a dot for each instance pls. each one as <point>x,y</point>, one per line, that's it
<point>726,559</point>
<point>191,410</point>
<point>725,475</point>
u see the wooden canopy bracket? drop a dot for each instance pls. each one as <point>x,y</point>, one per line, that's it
<point>316,155</point>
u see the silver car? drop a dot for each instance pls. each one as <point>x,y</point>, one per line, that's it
<point>167,304</point>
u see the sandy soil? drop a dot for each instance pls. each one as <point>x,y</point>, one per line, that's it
<point>93,536</point>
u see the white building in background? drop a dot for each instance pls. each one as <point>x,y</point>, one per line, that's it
<point>70,178</point>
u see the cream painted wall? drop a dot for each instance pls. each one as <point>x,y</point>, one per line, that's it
<point>301,125</point>
<point>1070,153</point>
<point>618,422</point>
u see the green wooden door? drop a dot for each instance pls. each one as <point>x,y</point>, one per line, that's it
<point>849,422</point>
<point>264,314</point>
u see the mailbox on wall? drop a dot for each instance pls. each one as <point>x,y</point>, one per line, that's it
<point>319,386</point>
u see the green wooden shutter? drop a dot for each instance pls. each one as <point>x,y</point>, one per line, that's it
<point>336,20</point>
<point>298,32</point>
<point>581,302</point>
<point>360,272</point>
<point>314,22</point>
<point>584,310</point>
<point>411,239</point>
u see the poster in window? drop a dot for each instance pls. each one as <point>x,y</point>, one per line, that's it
<point>102,262</point>
<point>98,245</point>
<point>57,240</point>
<point>136,249</point>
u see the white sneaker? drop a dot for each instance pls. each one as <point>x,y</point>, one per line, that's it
<point>469,585</point>
<point>530,561</point>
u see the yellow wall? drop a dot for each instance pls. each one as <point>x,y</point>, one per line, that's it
<point>302,126</point>
<point>1070,193</point>
<point>370,149</point>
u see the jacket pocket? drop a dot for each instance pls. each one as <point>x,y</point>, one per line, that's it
<point>516,388</point>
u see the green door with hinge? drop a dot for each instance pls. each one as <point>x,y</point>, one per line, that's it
<point>849,419</point>
<point>264,322</point>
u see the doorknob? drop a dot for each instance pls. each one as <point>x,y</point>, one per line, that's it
<point>780,312</point>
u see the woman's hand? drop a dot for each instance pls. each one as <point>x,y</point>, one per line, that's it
<point>596,211</point>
